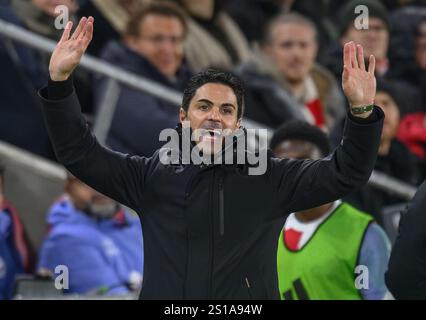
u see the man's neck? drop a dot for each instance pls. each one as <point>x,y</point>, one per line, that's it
<point>314,213</point>
<point>297,88</point>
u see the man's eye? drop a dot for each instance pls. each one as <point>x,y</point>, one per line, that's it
<point>286,44</point>
<point>204,107</point>
<point>227,111</point>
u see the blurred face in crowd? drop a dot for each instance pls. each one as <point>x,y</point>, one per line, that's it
<point>392,115</point>
<point>297,149</point>
<point>160,41</point>
<point>214,109</point>
<point>293,48</point>
<point>375,39</point>
<point>421,47</point>
<point>89,200</point>
<point>48,6</point>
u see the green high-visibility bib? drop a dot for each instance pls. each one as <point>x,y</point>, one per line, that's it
<point>324,268</point>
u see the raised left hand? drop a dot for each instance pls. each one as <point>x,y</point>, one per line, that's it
<point>359,84</point>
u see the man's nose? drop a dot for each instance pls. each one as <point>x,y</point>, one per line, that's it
<point>215,114</point>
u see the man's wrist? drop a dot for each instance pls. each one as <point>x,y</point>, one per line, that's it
<point>362,111</point>
<point>58,77</point>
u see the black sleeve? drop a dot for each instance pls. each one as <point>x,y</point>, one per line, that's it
<point>406,275</point>
<point>374,116</point>
<point>118,176</point>
<point>303,184</point>
<point>57,90</point>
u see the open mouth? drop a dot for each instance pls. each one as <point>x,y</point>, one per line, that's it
<point>211,135</point>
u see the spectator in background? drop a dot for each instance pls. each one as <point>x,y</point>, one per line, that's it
<point>412,129</point>
<point>374,39</point>
<point>22,75</point>
<point>153,48</point>
<point>283,82</point>
<point>39,17</point>
<point>99,242</point>
<point>214,39</point>
<point>421,45</point>
<point>16,252</point>
<point>394,159</point>
<point>253,16</point>
<point>112,17</point>
<point>345,236</point>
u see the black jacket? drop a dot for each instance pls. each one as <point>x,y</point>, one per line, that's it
<point>406,275</point>
<point>212,231</point>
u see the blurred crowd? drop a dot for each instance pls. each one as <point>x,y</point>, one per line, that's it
<point>289,54</point>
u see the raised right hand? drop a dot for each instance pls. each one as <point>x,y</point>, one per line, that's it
<point>68,52</point>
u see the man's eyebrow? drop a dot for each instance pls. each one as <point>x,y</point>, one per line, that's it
<point>228,104</point>
<point>206,101</point>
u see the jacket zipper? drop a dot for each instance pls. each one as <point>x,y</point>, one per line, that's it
<point>221,208</point>
<point>209,292</point>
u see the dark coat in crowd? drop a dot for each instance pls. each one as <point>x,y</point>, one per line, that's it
<point>22,74</point>
<point>406,277</point>
<point>210,231</point>
<point>267,103</point>
<point>139,117</point>
<point>400,163</point>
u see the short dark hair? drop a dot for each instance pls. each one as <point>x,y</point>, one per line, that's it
<point>301,130</point>
<point>212,75</point>
<point>160,8</point>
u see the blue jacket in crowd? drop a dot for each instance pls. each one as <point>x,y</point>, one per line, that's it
<point>10,261</point>
<point>101,256</point>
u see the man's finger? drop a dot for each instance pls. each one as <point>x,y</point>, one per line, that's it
<point>372,64</point>
<point>67,31</point>
<point>84,31</point>
<point>360,55</point>
<point>345,75</point>
<point>80,28</point>
<point>347,55</point>
<point>88,32</point>
<point>353,56</point>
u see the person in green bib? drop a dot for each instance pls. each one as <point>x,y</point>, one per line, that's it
<point>329,252</point>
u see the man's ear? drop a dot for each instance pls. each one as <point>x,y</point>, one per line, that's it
<point>182,115</point>
<point>239,123</point>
